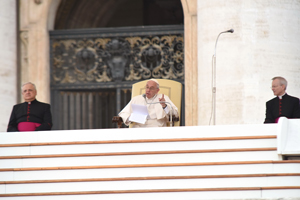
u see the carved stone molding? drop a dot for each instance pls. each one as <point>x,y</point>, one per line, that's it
<point>24,50</point>
<point>191,61</point>
<point>191,6</point>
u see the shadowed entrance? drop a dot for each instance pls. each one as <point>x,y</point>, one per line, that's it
<point>88,63</point>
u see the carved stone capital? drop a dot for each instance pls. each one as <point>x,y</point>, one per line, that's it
<point>191,7</point>
<point>38,1</point>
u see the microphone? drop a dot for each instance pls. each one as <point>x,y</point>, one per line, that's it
<point>229,31</point>
<point>171,110</point>
<point>214,88</point>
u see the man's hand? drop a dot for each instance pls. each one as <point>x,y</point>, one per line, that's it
<point>117,119</point>
<point>162,99</point>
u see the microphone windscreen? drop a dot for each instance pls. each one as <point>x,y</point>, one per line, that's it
<point>144,95</point>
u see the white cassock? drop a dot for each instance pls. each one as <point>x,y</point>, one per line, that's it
<point>157,117</point>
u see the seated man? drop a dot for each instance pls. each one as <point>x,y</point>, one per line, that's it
<point>158,112</point>
<point>31,115</point>
<point>283,105</point>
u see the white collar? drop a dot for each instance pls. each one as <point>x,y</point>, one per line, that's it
<point>152,97</point>
<point>280,97</point>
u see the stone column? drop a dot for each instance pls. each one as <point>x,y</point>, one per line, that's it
<point>35,46</point>
<point>8,64</point>
<point>190,62</point>
<point>265,43</point>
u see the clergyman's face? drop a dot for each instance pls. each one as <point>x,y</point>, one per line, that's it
<point>151,89</point>
<point>28,92</point>
<point>277,88</point>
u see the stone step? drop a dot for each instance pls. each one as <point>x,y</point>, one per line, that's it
<point>152,183</point>
<point>267,141</point>
<point>148,170</point>
<point>143,158</point>
<point>139,134</point>
<point>177,194</point>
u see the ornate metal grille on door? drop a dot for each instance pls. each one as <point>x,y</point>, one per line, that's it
<point>92,70</point>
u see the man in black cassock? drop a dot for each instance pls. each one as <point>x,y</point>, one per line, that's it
<point>31,115</point>
<point>283,105</point>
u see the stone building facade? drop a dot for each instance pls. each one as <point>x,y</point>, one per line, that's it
<point>265,43</point>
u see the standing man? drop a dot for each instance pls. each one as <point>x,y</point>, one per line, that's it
<point>283,105</point>
<point>31,115</point>
<point>158,112</point>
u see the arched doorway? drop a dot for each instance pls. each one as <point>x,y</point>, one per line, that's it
<point>100,48</point>
<point>78,14</point>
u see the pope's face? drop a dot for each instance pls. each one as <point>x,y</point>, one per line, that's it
<point>151,89</point>
<point>277,88</point>
<point>28,92</point>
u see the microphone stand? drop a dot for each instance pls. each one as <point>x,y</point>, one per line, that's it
<point>214,88</point>
<point>171,110</point>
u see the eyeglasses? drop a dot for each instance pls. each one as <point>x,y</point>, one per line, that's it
<point>274,86</point>
<point>150,88</point>
<point>29,90</point>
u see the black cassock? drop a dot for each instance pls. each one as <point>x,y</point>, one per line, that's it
<point>34,111</point>
<point>287,107</point>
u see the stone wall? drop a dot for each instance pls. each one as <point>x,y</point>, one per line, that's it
<point>265,43</point>
<point>34,45</point>
<point>8,64</point>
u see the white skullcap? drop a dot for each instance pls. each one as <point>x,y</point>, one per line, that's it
<point>152,79</point>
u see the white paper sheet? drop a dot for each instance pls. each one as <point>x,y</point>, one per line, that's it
<point>139,113</point>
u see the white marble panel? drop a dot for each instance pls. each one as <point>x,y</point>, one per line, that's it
<point>2,189</point>
<point>147,184</point>
<point>264,45</point>
<point>8,61</point>
<point>252,194</point>
<point>287,167</point>
<point>139,133</point>
<point>283,181</point>
<point>11,151</point>
<point>135,147</point>
<point>281,194</point>
<point>143,171</point>
<point>139,159</point>
<point>11,163</point>
<point>6,176</point>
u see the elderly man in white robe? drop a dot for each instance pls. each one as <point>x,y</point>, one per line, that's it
<point>158,112</point>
